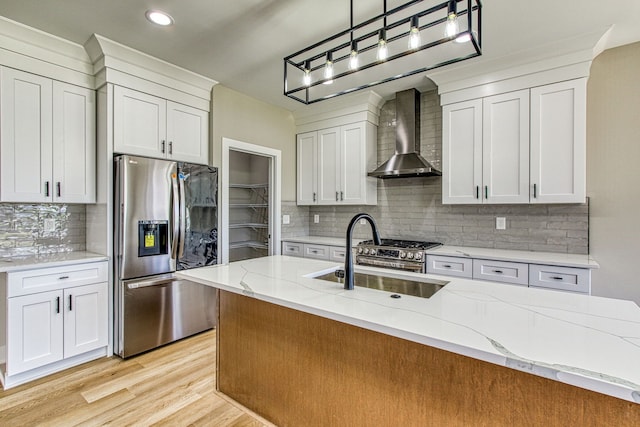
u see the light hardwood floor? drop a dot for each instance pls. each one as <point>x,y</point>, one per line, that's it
<point>171,386</point>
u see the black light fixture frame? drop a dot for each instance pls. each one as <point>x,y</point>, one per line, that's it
<point>475,34</point>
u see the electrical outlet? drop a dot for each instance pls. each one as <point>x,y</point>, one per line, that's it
<point>49,225</point>
<point>501,223</point>
<point>316,219</point>
<point>363,221</point>
<point>286,219</point>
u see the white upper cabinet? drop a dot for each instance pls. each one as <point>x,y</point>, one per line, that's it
<point>47,140</point>
<point>149,126</point>
<point>333,165</point>
<point>485,150</point>
<point>187,133</point>
<point>505,148</point>
<point>307,168</point>
<point>74,148</point>
<point>462,152</point>
<point>526,146</point>
<point>558,142</point>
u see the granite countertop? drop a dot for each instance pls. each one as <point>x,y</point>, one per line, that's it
<point>49,260</point>
<point>586,341</point>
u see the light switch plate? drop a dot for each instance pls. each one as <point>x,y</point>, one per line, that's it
<point>316,219</point>
<point>501,223</point>
<point>49,225</point>
<point>286,219</point>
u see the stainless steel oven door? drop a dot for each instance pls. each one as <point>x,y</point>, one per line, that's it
<point>158,310</point>
<point>414,266</point>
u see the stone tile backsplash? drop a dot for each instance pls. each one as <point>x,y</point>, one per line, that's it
<point>22,229</point>
<point>298,220</point>
<point>412,208</point>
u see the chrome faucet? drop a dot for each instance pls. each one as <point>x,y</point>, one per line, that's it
<point>348,258</point>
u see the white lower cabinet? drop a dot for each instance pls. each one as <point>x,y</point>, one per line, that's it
<point>515,273</point>
<point>312,250</point>
<point>54,323</point>
<point>35,331</point>
<point>450,266</point>
<point>557,277</point>
<point>560,278</point>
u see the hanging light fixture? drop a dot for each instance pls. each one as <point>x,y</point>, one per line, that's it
<point>414,33</point>
<point>353,56</point>
<point>451,28</point>
<point>409,39</point>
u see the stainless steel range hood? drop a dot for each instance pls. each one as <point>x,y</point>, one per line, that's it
<point>407,161</point>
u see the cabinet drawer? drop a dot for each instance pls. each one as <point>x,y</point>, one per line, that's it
<point>500,271</point>
<point>292,249</point>
<point>316,251</point>
<point>450,266</point>
<point>54,278</point>
<point>337,253</point>
<point>562,278</point>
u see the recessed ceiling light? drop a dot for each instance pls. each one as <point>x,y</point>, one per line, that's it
<point>159,17</point>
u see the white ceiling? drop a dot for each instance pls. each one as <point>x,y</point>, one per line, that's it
<point>242,43</point>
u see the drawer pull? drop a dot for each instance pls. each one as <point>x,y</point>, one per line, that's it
<point>313,251</point>
<point>497,271</point>
<point>446,266</point>
<point>63,277</point>
<point>57,305</point>
<point>556,278</point>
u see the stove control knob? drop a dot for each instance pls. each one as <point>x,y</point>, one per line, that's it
<point>366,251</point>
<point>410,255</point>
<point>359,250</point>
<point>372,252</point>
<point>403,254</point>
<point>418,256</point>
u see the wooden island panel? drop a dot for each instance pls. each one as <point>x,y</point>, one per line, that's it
<point>297,369</point>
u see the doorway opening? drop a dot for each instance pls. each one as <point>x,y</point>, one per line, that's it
<point>250,187</point>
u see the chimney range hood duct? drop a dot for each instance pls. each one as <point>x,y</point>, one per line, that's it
<point>407,161</point>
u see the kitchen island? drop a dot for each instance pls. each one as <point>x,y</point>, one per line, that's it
<point>302,351</point>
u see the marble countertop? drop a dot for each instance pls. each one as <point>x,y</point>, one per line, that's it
<point>49,260</point>
<point>320,240</point>
<point>586,341</point>
<point>530,257</point>
<point>546,258</point>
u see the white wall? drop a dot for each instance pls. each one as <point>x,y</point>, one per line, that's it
<point>613,171</point>
<point>243,118</point>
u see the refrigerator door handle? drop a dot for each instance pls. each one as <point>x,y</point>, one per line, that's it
<point>183,220</point>
<point>176,216</point>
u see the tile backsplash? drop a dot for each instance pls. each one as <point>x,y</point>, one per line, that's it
<point>22,231</point>
<point>412,208</point>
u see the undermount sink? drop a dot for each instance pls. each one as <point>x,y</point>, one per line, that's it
<point>418,288</point>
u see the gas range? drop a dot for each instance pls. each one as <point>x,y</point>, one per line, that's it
<point>408,255</point>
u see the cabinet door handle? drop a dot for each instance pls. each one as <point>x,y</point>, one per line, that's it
<point>336,196</point>
<point>497,271</point>
<point>162,146</point>
<point>46,188</point>
<point>342,196</point>
<point>70,303</point>
<point>57,305</point>
<point>58,188</point>
<point>477,191</point>
<point>535,190</point>
<point>314,197</point>
<point>486,191</point>
<point>170,147</point>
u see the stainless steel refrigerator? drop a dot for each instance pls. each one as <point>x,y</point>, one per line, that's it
<point>165,220</point>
